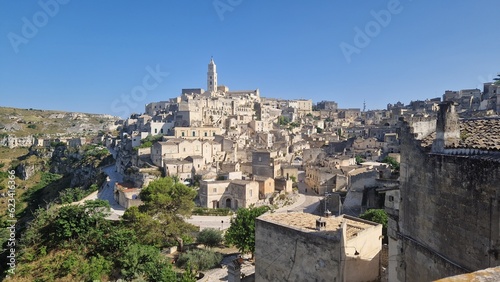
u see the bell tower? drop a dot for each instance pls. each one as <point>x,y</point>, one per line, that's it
<point>212,76</point>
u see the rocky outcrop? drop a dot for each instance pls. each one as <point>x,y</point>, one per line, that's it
<point>84,170</point>
<point>26,170</point>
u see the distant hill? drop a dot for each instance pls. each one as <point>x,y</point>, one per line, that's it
<point>26,122</point>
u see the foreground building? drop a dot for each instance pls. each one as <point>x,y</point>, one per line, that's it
<point>449,215</point>
<point>303,247</point>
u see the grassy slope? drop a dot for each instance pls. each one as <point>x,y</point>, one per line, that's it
<point>24,122</point>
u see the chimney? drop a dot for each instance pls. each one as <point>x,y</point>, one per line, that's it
<point>447,128</point>
<point>320,224</point>
<point>328,213</point>
<point>234,271</point>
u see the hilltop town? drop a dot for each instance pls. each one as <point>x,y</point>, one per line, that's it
<point>431,165</point>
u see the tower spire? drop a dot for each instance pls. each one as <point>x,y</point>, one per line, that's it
<point>212,76</point>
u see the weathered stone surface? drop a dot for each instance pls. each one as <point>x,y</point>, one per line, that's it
<point>448,214</point>
<point>485,275</point>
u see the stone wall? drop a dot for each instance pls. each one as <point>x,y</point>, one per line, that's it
<point>283,254</point>
<point>448,218</point>
<point>14,142</point>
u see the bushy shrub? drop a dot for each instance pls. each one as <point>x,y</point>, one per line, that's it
<point>210,237</point>
<point>199,259</point>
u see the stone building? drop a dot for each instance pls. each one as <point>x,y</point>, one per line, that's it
<point>266,186</point>
<point>178,148</point>
<point>448,220</point>
<point>127,195</point>
<point>303,247</point>
<point>231,194</point>
<point>183,169</point>
<point>327,105</point>
<point>265,163</point>
<point>204,132</point>
<point>154,108</point>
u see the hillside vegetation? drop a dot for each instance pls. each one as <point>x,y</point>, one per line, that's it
<point>25,122</point>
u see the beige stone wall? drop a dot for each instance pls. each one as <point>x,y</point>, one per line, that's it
<point>211,191</point>
<point>196,132</point>
<point>283,254</point>
<point>266,186</point>
<point>448,217</point>
<point>365,266</point>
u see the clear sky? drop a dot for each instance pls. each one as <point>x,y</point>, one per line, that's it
<point>98,56</point>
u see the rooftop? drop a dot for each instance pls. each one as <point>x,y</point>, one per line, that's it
<point>306,222</point>
<point>125,185</point>
<point>478,133</point>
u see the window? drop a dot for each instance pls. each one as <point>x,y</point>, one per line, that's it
<point>156,130</point>
<point>161,130</point>
<point>215,190</point>
<point>182,134</point>
<point>194,133</point>
<point>206,134</point>
<point>391,198</point>
<point>260,159</point>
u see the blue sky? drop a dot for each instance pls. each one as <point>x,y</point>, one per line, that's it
<point>90,56</point>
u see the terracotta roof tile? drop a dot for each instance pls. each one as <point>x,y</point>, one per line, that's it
<point>474,133</point>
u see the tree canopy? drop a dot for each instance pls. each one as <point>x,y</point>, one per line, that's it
<point>241,233</point>
<point>376,215</point>
<point>210,237</point>
<point>160,220</point>
<point>392,162</point>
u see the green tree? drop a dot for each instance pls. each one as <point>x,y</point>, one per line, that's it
<point>392,162</point>
<point>145,261</point>
<point>282,120</point>
<point>210,237</point>
<point>241,233</point>
<point>164,195</point>
<point>75,220</point>
<point>189,275</point>
<point>376,215</point>
<point>199,259</point>
<point>97,267</point>
<point>359,160</point>
<point>167,202</point>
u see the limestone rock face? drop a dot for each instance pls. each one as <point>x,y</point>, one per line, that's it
<point>26,171</point>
